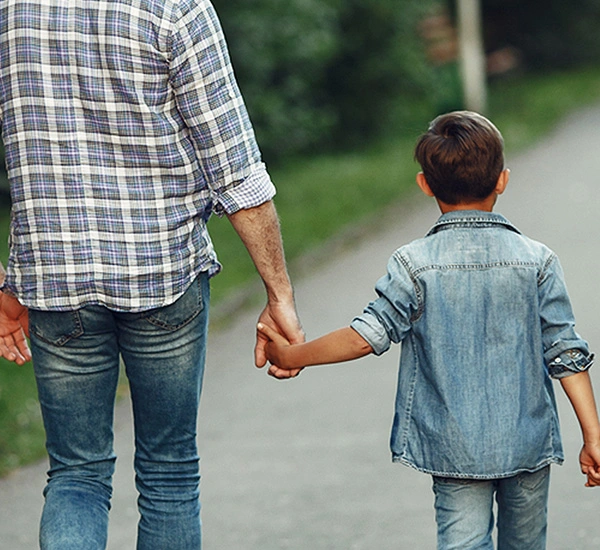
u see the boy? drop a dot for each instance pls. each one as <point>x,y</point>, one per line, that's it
<point>485,323</point>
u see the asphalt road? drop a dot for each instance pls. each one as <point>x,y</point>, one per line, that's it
<point>304,464</point>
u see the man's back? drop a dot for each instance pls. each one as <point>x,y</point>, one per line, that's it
<point>124,129</point>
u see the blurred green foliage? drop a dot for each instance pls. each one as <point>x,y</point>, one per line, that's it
<point>327,74</point>
<point>548,34</point>
<point>324,75</point>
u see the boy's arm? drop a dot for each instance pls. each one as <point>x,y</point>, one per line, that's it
<point>578,388</point>
<point>344,344</point>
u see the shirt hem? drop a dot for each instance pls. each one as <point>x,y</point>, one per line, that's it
<point>470,475</point>
<point>126,305</point>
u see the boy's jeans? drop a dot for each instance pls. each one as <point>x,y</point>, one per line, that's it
<point>76,361</point>
<point>464,512</point>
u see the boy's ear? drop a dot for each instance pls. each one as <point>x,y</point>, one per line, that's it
<point>502,181</point>
<point>423,185</point>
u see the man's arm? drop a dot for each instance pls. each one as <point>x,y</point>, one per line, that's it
<point>259,230</point>
<point>578,388</point>
<point>14,321</point>
<point>341,345</point>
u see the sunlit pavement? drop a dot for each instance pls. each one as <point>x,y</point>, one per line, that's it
<point>304,464</point>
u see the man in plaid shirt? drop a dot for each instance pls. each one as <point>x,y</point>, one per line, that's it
<point>124,130</point>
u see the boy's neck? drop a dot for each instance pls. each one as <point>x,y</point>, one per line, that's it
<point>485,205</point>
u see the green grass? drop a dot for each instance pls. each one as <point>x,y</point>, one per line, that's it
<point>317,199</point>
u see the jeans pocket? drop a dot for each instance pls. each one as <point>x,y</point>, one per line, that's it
<point>182,311</point>
<point>55,327</point>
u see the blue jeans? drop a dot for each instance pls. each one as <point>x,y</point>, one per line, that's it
<point>465,518</point>
<point>76,361</point>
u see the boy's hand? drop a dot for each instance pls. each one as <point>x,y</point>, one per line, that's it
<point>14,321</point>
<point>589,460</point>
<point>274,351</point>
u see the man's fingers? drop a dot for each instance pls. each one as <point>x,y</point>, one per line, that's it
<point>7,353</point>
<point>24,320</point>
<point>20,341</point>
<point>260,357</point>
<point>11,350</point>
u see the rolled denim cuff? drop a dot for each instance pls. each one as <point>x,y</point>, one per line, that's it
<point>569,362</point>
<point>373,332</point>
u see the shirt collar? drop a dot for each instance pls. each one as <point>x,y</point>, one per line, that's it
<point>471,218</point>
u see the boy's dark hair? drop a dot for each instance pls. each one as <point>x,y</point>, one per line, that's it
<point>461,156</point>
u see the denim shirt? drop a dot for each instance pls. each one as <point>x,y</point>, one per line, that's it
<point>485,322</point>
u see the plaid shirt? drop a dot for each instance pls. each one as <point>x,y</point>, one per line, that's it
<point>124,129</point>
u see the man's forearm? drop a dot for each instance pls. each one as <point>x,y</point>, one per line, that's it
<point>260,232</point>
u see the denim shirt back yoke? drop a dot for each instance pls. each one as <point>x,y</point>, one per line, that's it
<point>485,322</point>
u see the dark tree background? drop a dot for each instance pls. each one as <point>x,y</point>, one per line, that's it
<point>321,75</point>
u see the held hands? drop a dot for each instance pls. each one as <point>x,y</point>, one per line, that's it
<point>14,323</point>
<point>283,317</point>
<point>274,348</point>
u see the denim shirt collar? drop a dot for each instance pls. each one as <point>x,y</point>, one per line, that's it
<point>471,218</point>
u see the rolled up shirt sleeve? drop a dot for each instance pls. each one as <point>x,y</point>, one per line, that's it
<point>565,352</point>
<point>253,191</point>
<point>389,318</point>
<point>569,362</point>
<point>212,108</point>
<point>374,333</point>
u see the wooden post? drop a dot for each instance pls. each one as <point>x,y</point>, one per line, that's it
<point>472,55</point>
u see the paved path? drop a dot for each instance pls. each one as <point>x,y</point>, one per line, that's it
<point>304,464</point>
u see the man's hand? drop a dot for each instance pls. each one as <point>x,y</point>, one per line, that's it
<point>14,327</point>
<point>283,320</point>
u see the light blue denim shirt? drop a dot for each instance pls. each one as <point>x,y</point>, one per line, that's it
<point>485,321</point>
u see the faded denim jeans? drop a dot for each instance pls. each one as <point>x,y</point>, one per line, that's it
<point>465,518</point>
<point>76,358</point>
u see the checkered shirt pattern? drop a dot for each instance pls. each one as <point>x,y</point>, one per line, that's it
<point>124,130</point>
